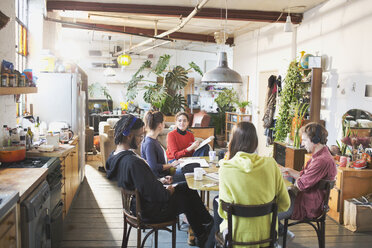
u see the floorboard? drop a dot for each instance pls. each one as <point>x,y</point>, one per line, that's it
<point>95,220</point>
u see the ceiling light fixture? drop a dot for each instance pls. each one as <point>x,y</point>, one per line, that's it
<point>109,72</point>
<point>288,22</point>
<point>222,74</point>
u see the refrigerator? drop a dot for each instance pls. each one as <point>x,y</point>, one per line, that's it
<point>60,99</point>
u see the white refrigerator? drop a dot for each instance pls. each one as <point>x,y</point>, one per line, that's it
<point>60,98</point>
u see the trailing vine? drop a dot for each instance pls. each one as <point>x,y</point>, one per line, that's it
<point>291,94</point>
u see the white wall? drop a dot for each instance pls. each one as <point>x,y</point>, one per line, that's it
<point>77,49</point>
<point>7,52</point>
<point>337,30</point>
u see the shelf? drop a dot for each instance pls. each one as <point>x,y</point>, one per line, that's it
<point>17,90</point>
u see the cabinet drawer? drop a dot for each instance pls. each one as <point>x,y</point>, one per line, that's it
<point>334,199</point>
<point>7,222</point>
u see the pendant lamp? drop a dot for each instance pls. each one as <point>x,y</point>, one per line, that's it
<point>109,72</point>
<point>222,74</point>
<point>288,24</point>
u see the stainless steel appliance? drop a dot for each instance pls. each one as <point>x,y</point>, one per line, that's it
<point>54,177</point>
<point>35,218</point>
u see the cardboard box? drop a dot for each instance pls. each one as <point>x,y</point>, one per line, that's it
<point>358,214</point>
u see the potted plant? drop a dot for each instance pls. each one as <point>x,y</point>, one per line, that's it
<point>242,106</point>
<point>164,94</point>
<point>224,100</point>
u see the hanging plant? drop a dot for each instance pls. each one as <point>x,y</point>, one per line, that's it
<point>291,94</point>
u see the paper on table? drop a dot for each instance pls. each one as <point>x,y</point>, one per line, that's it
<point>213,175</point>
<point>206,141</point>
<point>201,161</point>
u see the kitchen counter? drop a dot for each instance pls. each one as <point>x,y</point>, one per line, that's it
<point>22,180</point>
<point>7,200</point>
<point>62,151</point>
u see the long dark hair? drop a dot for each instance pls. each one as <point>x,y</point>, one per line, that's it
<point>243,138</point>
<point>153,119</point>
<point>125,125</point>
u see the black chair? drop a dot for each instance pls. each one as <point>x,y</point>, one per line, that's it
<point>248,211</point>
<point>137,222</point>
<point>326,185</point>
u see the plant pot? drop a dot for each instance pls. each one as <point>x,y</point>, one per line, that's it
<point>242,110</point>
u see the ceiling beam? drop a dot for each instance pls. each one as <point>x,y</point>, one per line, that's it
<point>177,11</point>
<point>145,32</point>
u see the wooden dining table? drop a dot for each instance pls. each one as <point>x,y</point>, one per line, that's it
<point>208,184</point>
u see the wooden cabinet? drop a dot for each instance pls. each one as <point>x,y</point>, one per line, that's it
<point>17,90</point>
<point>8,229</point>
<point>232,119</point>
<point>70,176</point>
<point>289,156</point>
<point>350,183</point>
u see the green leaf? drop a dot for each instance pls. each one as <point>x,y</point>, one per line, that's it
<point>162,64</point>
<point>196,68</point>
<point>176,79</point>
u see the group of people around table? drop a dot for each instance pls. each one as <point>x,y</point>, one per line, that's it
<point>244,177</point>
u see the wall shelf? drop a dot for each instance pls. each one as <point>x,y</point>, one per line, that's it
<point>17,90</point>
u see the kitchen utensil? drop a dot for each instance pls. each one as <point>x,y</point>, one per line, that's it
<point>65,135</point>
<point>12,154</point>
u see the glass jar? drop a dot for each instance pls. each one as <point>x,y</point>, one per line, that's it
<point>22,81</point>
<point>12,80</point>
<point>4,80</point>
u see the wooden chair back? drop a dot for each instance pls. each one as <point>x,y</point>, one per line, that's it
<point>249,211</point>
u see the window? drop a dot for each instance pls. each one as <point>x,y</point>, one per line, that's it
<point>21,45</point>
<point>21,42</point>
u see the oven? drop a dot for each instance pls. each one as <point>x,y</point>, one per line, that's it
<point>35,218</point>
<point>55,207</point>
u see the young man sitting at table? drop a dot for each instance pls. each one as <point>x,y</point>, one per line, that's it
<point>306,201</point>
<point>247,179</point>
<point>158,203</point>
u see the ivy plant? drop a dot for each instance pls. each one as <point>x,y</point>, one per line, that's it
<point>291,94</point>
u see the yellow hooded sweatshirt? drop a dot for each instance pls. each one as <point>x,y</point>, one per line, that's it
<point>249,179</point>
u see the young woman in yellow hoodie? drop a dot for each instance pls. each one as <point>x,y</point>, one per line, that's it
<point>248,179</point>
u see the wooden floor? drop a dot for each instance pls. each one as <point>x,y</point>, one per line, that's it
<point>95,220</point>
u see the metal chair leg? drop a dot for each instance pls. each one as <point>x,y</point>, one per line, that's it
<point>285,233</point>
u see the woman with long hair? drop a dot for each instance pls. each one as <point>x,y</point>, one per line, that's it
<point>248,179</point>
<point>153,152</point>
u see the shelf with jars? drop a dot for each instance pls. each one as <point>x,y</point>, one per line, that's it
<point>17,90</point>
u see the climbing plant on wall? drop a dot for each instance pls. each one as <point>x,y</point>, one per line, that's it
<point>291,94</point>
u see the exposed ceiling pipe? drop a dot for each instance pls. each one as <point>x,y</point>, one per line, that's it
<point>103,29</point>
<point>178,27</point>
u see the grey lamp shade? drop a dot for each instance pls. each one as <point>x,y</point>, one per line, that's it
<point>222,74</point>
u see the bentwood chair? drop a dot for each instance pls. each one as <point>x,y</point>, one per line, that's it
<point>135,220</point>
<point>248,211</point>
<point>317,223</point>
